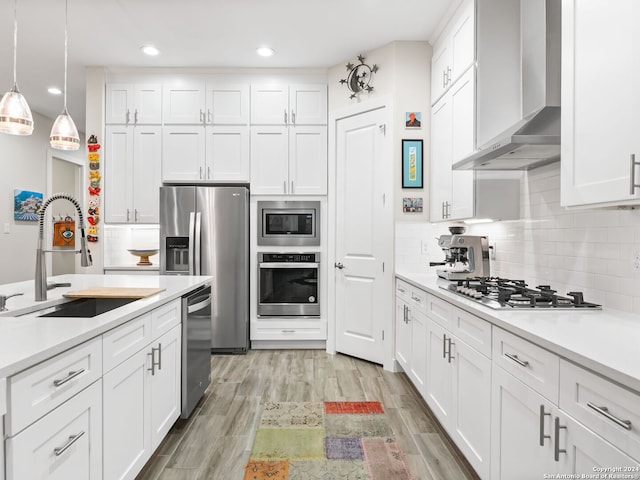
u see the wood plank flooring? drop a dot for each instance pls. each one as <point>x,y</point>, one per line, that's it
<point>215,442</point>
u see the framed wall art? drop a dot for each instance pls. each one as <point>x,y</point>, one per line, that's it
<point>412,205</point>
<point>412,164</point>
<point>26,205</point>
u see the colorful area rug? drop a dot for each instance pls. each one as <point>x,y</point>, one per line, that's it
<point>325,441</point>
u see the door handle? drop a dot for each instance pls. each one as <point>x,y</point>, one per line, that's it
<point>339,265</point>
<point>557,450</point>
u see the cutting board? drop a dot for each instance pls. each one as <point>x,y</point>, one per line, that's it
<point>114,292</point>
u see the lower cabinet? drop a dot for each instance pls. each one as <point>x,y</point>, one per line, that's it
<point>411,331</point>
<point>66,443</point>
<point>141,403</point>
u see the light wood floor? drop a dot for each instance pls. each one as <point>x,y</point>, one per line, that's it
<point>216,440</point>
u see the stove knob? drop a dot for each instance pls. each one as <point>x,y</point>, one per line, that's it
<point>477,295</point>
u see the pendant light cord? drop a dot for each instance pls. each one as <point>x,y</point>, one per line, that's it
<point>66,26</point>
<point>15,40</point>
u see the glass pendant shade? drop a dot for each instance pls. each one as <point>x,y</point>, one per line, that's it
<point>15,115</point>
<point>64,134</point>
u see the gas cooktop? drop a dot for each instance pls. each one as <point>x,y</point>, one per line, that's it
<point>502,294</point>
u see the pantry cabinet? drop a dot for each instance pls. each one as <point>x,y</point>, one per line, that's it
<point>131,104</point>
<point>600,145</point>
<point>132,173</point>
<point>280,104</point>
<point>289,160</point>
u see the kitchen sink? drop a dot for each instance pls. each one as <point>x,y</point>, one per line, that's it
<point>83,308</point>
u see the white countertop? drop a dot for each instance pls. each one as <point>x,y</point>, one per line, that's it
<point>605,341</point>
<point>27,340</point>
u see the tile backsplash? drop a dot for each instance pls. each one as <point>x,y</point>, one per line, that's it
<point>119,238</point>
<point>589,250</point>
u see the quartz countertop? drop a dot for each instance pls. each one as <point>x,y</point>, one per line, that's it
<point>28,339</point>
<point>605,341</point>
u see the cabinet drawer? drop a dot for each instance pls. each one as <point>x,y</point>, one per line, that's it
<point>43,387</point>
<point>531,364</point>
<point>66,443</point>
<point>313,330</point>
<point>602,406</point>
<point>403,289</point>
<point>474,331</point>
<point>419,299</point>
<point>440,311</point>
<point>125,340</point>
<point>166,317</point>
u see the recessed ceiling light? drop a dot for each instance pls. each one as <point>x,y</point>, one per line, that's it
<point>150,50</point>
<point>265,51</point>
<point>54,91</point>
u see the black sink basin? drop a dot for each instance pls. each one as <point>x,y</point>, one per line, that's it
<point>85,307</point>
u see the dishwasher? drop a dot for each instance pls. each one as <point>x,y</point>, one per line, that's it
<point>196,347</point>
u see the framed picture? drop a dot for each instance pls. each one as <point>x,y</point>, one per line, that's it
<point>412,204</point>
<point>411,163</point>
<point>26,205</point>
<point>413,119</point>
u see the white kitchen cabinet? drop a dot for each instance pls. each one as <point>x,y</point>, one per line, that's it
<point>211,153</point>
<point>453,137</point>
<point>196,102</point>
<point>66,443</point>
<point>184,102</point>
<point>454,51</point>
<point>289,160</point>
<point>132,104</point>
<point>227,104</point>
<point>277,329</point>
<point>599,132</point>
<point>132,173</point>
<point>280,104</point>
<point>403,334</point>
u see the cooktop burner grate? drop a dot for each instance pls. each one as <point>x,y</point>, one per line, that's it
<point>502,293</point>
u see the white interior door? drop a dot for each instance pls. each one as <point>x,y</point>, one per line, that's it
<point>364,230</point>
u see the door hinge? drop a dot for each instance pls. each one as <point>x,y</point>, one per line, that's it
<point>383,128</point>
<point>382,334</point>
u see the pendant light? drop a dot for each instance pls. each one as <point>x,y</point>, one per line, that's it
<point>64,134</point>
<point>15,115</point>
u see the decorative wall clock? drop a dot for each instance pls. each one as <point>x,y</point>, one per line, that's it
<point>359,77</point>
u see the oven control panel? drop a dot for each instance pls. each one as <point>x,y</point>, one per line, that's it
<point>289,257</point>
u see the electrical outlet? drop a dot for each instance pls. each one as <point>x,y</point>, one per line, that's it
<point>635,262</point>
<point>425,247</point>
<point>7,228</point>
<point>492,251</point>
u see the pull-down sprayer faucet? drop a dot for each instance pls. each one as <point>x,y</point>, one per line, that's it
<point>85,254</point>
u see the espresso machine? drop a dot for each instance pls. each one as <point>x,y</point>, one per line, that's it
<point>466,256</point>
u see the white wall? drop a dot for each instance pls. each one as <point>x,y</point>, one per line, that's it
<point>590,250</point>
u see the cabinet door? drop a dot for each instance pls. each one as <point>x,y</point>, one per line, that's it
<point>440,62</point>
<point>183,103</point>
<point>441,118</point>
<point>403,335</point>
<point>308,160</point>
<point>165,385</point>
<point>183,153</point>
<point>463,40</point>
<point>462,98</point>
<point>39,451</point>
<point>599,131</point>
<point>147,105</point>
<point>269,160</point>
<point>228,104</point>
<point>228,153</point>
<point>147,175</point>
<point>471,395</point>
<point>118,174</point>
<point>269,104</point>
<point>438,373</point>
<point>517,429</point>
<point>419,346</point>
<point>308,104</point>
<point>127,417</point>
<point>119,102</point>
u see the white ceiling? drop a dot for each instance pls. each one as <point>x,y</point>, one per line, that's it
<point>195,33</point>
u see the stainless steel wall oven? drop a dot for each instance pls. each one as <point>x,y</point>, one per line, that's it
<point>288,284</point>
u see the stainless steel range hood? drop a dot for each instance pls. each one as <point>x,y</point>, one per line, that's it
<point>534,140</point>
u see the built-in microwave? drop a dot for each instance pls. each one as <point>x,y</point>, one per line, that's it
<point>289,222</point>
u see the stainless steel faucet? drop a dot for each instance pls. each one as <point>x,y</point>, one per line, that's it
<point>85,254</point>
<point>3,300</point>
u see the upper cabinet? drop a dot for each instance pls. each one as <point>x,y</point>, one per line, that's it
<point>130,104</point>
<point>454,52</point>
<point>600,146</point>
<point>289,104</point>
<point>206,103</point>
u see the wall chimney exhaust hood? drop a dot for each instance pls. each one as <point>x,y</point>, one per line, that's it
<point>533,140</point>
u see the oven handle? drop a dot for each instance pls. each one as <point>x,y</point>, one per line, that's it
<point>288,265</point>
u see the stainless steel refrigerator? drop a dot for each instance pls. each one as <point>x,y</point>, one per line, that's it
<point>204,230</point>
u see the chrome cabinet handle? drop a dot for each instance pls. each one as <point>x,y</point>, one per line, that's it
<point>135,116</point>
<point>556,448</point>
<point>401,290</point>
<point>69,377</point>
<point>542,435</point>
<point>293,117</point>
<point>192,240</point>
<point>408,314</point>
<point>200,174</point>
<point>293,189</point>
<point>209,116</point>
<point>72,439</point>
<point>339,265</point>
<point>522,363</point>
<point>202,116</point>
<point>444,79</point>
<point>159,356</point>
<point>444,346</point>
<point>152,354</point>
<point>416,299</point>
<point>135,214</point>
<point>288,331</point>
<point>126,117</point>
<point>284,186</point>
<point>404,313</point>
<point>632,177</point>
<point>443,210</point>
<point>127,214</point>
<point>285,116</point>
<point>604,411</point>
<point>209,173</point>
<point>449,352</point>
<point>448,75</point>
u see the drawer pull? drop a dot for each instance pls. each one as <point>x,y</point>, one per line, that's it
<point>556,448</point>
<point>415,299</point>
<point>71,376</point>
<point>288,331</point>
<point>72,439</point>
<point>542,435</point>
<point>522,363</point>
<point>604,411</point>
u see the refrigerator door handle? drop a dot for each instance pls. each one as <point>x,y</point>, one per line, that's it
<point>198,246</point>
<point>192,221</point>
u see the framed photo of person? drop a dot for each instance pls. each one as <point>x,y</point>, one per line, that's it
<point>412,164</point>
<point>413,119</point>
